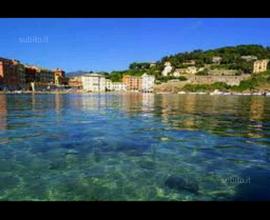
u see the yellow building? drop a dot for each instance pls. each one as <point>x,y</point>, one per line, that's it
<point>59,76</point>
<point>260,66</point>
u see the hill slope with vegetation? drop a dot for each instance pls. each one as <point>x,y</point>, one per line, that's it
<point>256,83</point>
<point>232,58</point>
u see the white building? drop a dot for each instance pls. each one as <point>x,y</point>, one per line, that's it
<point>93,82</point>
<point>108,84</point>
<point>118,86</point>
<point>188,70</point>
<point>114,86</point>
<point>167,69</point>
<point>148,82</point>
<point>249,58</point>
<point>216,59</point>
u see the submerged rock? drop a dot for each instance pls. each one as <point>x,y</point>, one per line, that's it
<point>179,183</point>
<point>58,164</point>
<point>147,164</point>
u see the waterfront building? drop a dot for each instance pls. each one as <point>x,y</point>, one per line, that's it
<point>45,76</point>
<point>132,82</point>
<point>75,82</point>
<point>148,82</point>
<point>59,77</point>
<point>260,66</point>
<point>94,82</point>
<point>41,78</point>
<point>119,86</point>
<point>30,73</point>
<point>12,74</point>
<point>17,76</point>
<point>167,69</point>
<point>108,84</point>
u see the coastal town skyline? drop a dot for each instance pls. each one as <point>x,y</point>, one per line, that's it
<point>227,69</point>
<point>112,44</point>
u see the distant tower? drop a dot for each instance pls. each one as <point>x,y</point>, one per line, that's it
<point>260,66</point>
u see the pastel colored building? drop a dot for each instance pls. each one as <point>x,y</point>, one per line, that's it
<point>148,82</point>
<point>119,86</point>
<point>94,83</point>
<point>45,76</point>
<point>108,85</point>
<point>260,65</point>
<point>12,74</point>
<point>30,73</point>
<point>59,77</point>
<point>132,82</point>
<point>75,82</point>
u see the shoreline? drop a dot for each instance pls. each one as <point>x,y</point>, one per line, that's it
<point>219,93</point>
<point>63,92</point>
<point>215,93</point>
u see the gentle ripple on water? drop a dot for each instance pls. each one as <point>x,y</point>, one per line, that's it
<point>126,147</point>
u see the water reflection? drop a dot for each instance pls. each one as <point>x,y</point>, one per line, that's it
<point>148,102</point>
<point>33,101</point>
<point>257,108</point>
<point>125,146</point>
<point>3,112</point>
<point>243,115</point>
<point>58,102</point>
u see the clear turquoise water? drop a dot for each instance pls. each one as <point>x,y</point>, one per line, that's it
<point>125,146</point>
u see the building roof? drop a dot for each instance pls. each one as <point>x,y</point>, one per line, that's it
<point>93,75</point>
<point>58,69</point>
<point>4,59</point>
<point>260,61</point>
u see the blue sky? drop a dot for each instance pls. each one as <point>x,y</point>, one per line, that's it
<point>113,43</point>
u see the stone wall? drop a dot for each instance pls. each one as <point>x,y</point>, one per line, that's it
<point>222,72</point>
<point>230,80</point>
